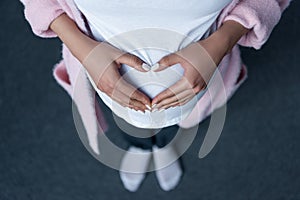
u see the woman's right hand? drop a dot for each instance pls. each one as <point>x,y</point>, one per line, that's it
<point>103,63</point>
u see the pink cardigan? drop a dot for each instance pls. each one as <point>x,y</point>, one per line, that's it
<point>260,16</point>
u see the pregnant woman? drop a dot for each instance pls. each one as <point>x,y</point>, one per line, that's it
<point>169,50</point>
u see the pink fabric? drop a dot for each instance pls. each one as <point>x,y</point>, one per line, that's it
<point>260,16</point>
<point>262,10</point>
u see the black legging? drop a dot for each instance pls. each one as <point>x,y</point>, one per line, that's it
<point>160,139</point>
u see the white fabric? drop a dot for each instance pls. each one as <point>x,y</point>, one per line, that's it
<point>133,167</point>
<point>168,176</point>
<point>151,30</point>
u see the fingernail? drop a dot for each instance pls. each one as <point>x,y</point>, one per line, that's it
<point>155,67</point>
<point>154,105</point>
<point>140,111</point>
<point>149,108</point>
<point>146,67</point>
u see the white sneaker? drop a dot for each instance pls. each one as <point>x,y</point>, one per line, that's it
<point>168,175</point>
<point>133,167</point>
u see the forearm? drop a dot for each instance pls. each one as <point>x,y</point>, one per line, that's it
<point>231,31</point>
<point>222,41</point>
<point>78,43</point>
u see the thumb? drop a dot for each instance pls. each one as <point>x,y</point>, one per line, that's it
<point>167,61</point>
<point>132,61</point>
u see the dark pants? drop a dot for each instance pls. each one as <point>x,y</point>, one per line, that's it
<point>146,138</point>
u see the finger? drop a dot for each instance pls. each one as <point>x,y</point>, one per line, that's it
<point>142,98</point>
<point>176,88</point>
<point>199,88</point>
<point>136,109</point>
<point>167,61</point>
<point>132,92</point>
<point>184,101</point>
<point>180,103</point>
<point>132,61</point>
<point>126,101</point>
<point>119,97</point>
<point>137,105</point>
<point>176,98</point>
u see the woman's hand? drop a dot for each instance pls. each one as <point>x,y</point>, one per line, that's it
<point>199,60</point>
<point>102,62</point>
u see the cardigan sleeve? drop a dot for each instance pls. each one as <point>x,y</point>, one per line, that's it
<point>260,16</point>
<point>40,14</point>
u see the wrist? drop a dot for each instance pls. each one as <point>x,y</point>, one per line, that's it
<point>231,32</point>
<point>83,46</point>
<point>222,41</point>
<point>216,46</point>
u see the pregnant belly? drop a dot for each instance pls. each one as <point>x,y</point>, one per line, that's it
<point>151,83</point>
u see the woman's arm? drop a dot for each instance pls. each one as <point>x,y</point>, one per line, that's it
<point>102,62</point>
<point>79,44</point>
<point>199,61</point>
<point>222,41</point>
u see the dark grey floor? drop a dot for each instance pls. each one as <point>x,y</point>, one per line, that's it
<point>42,157</point>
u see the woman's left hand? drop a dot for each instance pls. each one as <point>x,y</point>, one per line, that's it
<point>199,60</point>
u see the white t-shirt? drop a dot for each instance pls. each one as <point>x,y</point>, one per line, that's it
<point>151,30</point>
